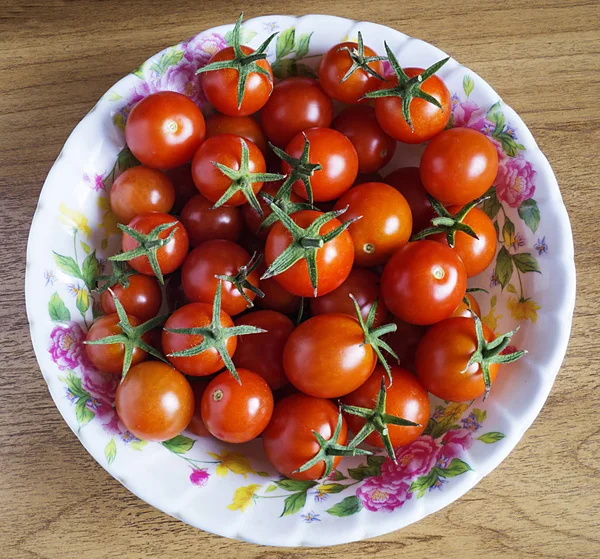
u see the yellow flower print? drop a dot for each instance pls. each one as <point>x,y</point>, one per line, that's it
<point>455,410</point>
<point>243,496</point>
<point>523,309</point>
<point>491,319</point>
<point>109,220</point>
<point>233,462</point>
<point>74,219</point>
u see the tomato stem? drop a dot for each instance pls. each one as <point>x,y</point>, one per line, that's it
<point>359,60</point>
<point>240,280</point>
<point>121,274</point>
<point>284,203</point>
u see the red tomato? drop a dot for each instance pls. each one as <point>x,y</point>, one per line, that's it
<point>155,402</point>
<point>296,104</point>
<point>289,441</point>
<point>276,297</point>
<point>373,146</point>
<point>164,130</point>
<point>407,181</point>
<point>142,298</point>
<point>234,412</point>
<point>404,341</point>
<point>196,425</point>
<point>463,310</point>
<point>243,126</point>
<point>459,165</point>
<point>185,189</point>
<point>423,282</point>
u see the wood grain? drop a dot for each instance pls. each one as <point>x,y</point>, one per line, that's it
<point>58,57</point>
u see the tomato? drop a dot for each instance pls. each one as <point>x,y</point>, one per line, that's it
<point>463,310</point>
<point>234,412</point>
<point>337,156</point>
<point>205,223</point>
<point>405,398</point>
<point>155,402</point>
<point>326,356</point>
<point>459,165</point>
<point>296,104</point>
<point>196,425</point>
<point>142,298</point>
<point>263,353</point>
<point>276,297</point>
<point>289,441</point>
<point>164,130</point>
<point>334,258</point>
<point>373,146</point>
<point>185,189</point>
<point>385,225</point>
<point>423,282</point>
<point>404,341</point>
<point>243,126</point>
<point>407,181</point>
<point>212,258</point>
<point>361,283</point>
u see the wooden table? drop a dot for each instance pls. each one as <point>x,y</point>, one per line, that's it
<point>58,57</point>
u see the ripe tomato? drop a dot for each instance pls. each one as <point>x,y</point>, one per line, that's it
<point>405,398</point>
<point>196,425</point>
<point>459,165</point>
<point>423,282</point>
<point>243,126</point>
<point>407,181</point>
<point>164,130</point>
<point>296,104</point>
<point>289,441</point>
<point>326,356</point>
<point>385,225</point>
<point>404,341</point>
<point>234,412</point>
<point>203,223</point>
<point>142,298</point>
<point>155,402</point>
<point>185,189</point>
<point>442,358</point>
<point>361,283</point>
<point>463,310</point>
<point>337,156</point>
<point>263,353</point>
<point>276,297</point>
<point>373,146</point>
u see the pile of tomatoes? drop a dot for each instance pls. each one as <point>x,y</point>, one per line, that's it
<point>361,280</point>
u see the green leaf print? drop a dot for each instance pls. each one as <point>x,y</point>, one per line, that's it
<point>90,270</point>
<point>331,488</point>
<point>246,35</point>
<point>83,301</point>
<point>491,437</point>
<point>110,451</point>
<point>295,484</point>
<point>137,444</point>
<point>74,385</point>
<point>67,265</point>
<point>302,46</point>
<point>423,483</point>
<point>480,415</point>
<point>456,468</point>
<point>337,476</point>
<point>350,505</point>
<point>285,42</point>
<point>468,85</point>
<point>57,310</point>
<point>530,214</point>
<point>504,267</point>
<point>290,67</point>
<point>83,414</point>
<point>363,471</point>
<point>526,262</point>
<point>491,206</point>
<point>86,248</point>
<point>294,503</point>
<point>179,444</point>
<point>169,58</point>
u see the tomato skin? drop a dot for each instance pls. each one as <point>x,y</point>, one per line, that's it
<point>227,150</point>
<point>410,288</point>
<point>407,181</point>
<point>334,259</point>
<point>196,425</point>
<point>276,297</point>
<point>220,86</point>
<point>361,283</point>
<point>296,104</point>
<point>203,223</point>
<point>326,356</point>
<point>404,341</point>
<point>289,441</point>
<point>459,165</point>
<point>462,309</point>
<point>142,298</point>
<point>244,126</point>
<point>154,401</point>
<point>185,189</point>
<point>406,398</point>
<point>427,119</point>
<point>263,353</point>
<point>170,256</point>
<point>337,156</point>
<point>373,146</point>
<point>164,130</point>
<point>195,315</point>
<point>442,358</point>
<point>385,225</point>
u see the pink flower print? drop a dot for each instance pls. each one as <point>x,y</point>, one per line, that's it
<point>94,181</point>
<point>182,78</point>
<point>66,346</point>
<point>515,180</point>
<point>414,460</point>
<point>200,49</point>
<point>199,476</point>
<point>101,386</point>
<point>470,115</point>
<point>378,493</point>
<point>455,442</point>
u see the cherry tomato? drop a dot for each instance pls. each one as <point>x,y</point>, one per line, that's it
<point>263,353</point>
<point>337,156</point>
<point>243,126</point>
<point>385,225</point>
<point>334,259</point>
<point>203,223</point>
<point>220,86</point>
<point>289,441</point>
<point>404,341</point>
<point>155,402</point>
<point>185,189</point>
<point>234,412</point>
<point>442,358</point>
<point>164,130</point>
<point>195,315</point>
<point>361,283</point>
<point>407,181</point>
<point>142,298</point>
<point>459,165</point>
<point>406,398</point>
<point>218,257</point>
<point>196,425</point>
<point>296,104</point>
<point>423,282</point>
<point>276,297</point>
<point>373,146</point>
<point>427,119</point>
<point>463,310</point>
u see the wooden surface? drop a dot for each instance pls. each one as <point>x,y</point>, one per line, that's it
<point>58,57</point>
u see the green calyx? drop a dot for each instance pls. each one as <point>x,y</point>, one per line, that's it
<point>245,64</point>
<point>284,203</point>
<point>305,243</point>
<point>121,274</point>
<point>131,336</point>
<point>214,336</point>
<point>359,60</point>
<point>148,245</point>
<point>377,419</point>
<point>408,88</point>
<point>240,280</point>
<point>242,180</point>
